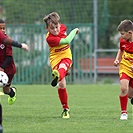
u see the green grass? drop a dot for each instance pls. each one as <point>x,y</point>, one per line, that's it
<point>94,109</point>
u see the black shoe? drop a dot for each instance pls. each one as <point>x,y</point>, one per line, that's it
<point>55,75</point>
<point>54,82</point>
<point>131,101</point>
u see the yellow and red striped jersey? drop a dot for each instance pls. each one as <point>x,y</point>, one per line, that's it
<point>58,51</point>
<point>127,57</point>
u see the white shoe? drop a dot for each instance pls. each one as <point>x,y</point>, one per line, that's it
<point>124,116</point>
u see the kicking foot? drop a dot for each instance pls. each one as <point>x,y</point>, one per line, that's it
<point>55,75</point>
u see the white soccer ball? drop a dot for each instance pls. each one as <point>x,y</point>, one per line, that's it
<point>3,79</point>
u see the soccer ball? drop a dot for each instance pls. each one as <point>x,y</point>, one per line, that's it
<point>3,79</point>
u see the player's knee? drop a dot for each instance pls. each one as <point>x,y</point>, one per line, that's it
<point>124,90</point>
<point>62,85</point>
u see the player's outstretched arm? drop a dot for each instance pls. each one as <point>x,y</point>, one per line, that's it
<point>9,41</point>
<point>70,37</point>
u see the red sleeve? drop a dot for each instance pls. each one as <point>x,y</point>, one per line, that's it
<point>2,37</point>
<point>122,44</point>
<point>53,40</point>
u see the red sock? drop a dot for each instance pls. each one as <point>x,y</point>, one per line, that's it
<point>63,97</point>
<point>123,103</point>
<point>62,73</point>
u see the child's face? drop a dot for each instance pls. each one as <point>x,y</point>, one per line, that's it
<point>3,27</point>
<point>126,35</point>
<point>54,29</point>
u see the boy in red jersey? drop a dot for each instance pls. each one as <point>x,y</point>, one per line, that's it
<point>125,59</point>
<point>7,63</point>
<point>60,56</point>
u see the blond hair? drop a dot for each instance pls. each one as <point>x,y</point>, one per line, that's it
<point>125,25</point>
<point>52,18</point>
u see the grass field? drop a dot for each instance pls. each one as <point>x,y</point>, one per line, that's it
<point>94,109</point>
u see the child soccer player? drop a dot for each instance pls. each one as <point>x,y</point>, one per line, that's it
<point>125,59</point>
<point>60,56</point>
<point>7,65</point>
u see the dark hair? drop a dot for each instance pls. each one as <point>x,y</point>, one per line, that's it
<point>2,21</point>
<point>125,25</point>
<point>52,18</point>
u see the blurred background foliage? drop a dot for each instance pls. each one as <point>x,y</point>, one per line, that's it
<point>110,13</point>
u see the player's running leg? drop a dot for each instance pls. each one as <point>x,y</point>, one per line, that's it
<point>63,96</point>
<point>123,103</point>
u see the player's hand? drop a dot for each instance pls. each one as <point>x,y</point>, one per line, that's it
<point>77,30</point>
<point>25,46</point>
<point>116,63</point>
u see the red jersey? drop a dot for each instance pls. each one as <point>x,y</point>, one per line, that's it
<point>126,46</point>
<point>6,50</point>
<point>127,57</point>
<point>54,40</point>
<point>2,36</point>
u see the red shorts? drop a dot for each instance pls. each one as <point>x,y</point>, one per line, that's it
<point>65,61</point>
<point>125,76</point>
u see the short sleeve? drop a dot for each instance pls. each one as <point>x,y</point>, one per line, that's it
<point>53,41</point>
<point>2,37</point>
<point>122,44</point>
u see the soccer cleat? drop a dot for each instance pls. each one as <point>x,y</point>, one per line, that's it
<point>124,116</point>
<point>55,75</point>
<point>65,113</point>
<point>131,101</point>
<point>11,100</point>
